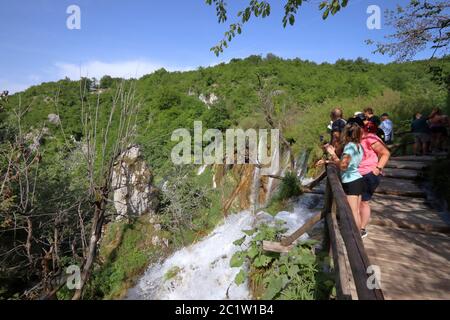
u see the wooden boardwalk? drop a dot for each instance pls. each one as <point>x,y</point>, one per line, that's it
<point>408,240</point>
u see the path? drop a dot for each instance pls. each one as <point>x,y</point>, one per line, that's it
<point>409,240</point>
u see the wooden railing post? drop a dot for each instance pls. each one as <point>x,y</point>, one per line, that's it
<point>357,257</point>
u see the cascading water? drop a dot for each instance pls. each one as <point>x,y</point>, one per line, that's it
<point>301,165</point>
<point>202,271</point>
<point>275,172</point>
<point>254,196</point>
<point>201,169</point>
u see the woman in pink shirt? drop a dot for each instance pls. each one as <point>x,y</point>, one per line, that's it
<point>376,156</point>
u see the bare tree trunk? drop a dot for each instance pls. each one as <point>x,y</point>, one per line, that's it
<point>29,240</point>
<point>96,232</point>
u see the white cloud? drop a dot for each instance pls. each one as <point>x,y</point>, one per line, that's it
<point>14,87</point>
<point>95,68</point>
<point>121,69</point>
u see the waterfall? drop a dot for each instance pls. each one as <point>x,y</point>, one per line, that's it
<point>201,169</point>
<point>275,171</point>
<point>202,271</point>
<point>254,196</point>
<point>301,165</point>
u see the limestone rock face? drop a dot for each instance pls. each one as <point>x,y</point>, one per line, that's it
<point>53,118</point>
<point>134,194</point>
<point>208,99</point>
<point>35,138</point>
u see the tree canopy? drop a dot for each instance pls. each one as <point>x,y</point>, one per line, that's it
<point>419,25</point>
<point>262,9</point>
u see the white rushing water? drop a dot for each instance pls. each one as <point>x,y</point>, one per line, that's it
<point>203,269</point>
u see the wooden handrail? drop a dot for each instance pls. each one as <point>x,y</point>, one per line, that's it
<point>356,254</point>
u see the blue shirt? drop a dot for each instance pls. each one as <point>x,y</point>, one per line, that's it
<point>356,154</point>
<point>388,127</point>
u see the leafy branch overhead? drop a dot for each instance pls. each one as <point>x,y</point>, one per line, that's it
<point>262,9</point>
<point>419,25</point>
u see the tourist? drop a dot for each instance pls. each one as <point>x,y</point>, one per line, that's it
<point>337,125</point>
<point>421,132</point>
<point>388,128</point>
<point>438,126</point>
<point>370,116</point>
<point>374,123</point>
<point>352,154</point>
<point>376,156</point>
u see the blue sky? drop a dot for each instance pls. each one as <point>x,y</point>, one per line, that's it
<point>135,37</point>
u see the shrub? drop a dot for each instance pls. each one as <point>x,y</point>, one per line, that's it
<point>290,187</point>
<point>293,276</point>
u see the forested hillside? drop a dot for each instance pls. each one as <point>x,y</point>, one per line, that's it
<point>303,91</point>
<point>46,207</point>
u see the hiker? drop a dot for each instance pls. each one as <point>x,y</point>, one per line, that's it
<point>438,126</point>
<point>370,116</point>
<point>336,126</point>
<point>388,128</point>
<point>421,132</point>
<point>375,122</point>
<point>376,156</point>
<point>352,154</point>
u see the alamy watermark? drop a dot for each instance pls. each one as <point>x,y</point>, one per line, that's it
<point>374,19</point>
<point>73,281</point>
<point>73,21</point>
<point>237,147</point>
<point>374,279</point>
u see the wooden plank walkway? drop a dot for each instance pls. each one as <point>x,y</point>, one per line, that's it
<point>408,240</point>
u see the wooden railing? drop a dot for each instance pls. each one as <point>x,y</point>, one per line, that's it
<point>345,244</point>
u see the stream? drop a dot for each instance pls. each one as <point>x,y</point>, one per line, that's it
<point>202,270</point>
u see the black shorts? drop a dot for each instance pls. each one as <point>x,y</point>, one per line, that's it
<point>371,183</point>
<point>354,188</point>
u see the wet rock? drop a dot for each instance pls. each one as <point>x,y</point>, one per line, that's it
<point>263,217</point>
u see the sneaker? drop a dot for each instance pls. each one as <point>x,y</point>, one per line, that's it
<point>363,233</point>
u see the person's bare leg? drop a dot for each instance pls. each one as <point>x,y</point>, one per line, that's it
<point>364,212</point>
<point>354,201</point>
<point>424,148</point>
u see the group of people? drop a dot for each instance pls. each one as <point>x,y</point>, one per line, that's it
<point>361,154</point>
<point>430,132</point>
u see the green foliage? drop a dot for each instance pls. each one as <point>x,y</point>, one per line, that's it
<point>262,9</point>
<point>295,276</point>
<point>125,252</point>
<point>290,187</point>
<point>167,98</point>
<point>107,82</point>
<point>302,92</point>
<point>182,202</point>
<point>172,273</point>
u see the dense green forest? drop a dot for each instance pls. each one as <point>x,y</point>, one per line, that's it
<point>305,92</point>
<point>302,92</point>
